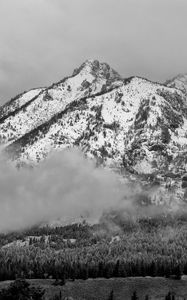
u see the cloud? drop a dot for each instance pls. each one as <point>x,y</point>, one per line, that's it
<point>65,185</point>
<point>44,40</point>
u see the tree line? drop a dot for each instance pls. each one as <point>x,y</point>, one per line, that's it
<point>148,247</point>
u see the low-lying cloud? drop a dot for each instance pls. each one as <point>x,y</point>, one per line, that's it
<point>65,185</point>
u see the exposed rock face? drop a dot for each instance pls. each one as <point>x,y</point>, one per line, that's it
<point>127,124</point>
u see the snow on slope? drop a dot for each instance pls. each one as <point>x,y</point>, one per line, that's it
<point>18,102</point>
<point>134,115</point>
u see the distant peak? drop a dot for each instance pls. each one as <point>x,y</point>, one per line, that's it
<point>96,68</point>
<point>179,82</point>
<point>181,77</point>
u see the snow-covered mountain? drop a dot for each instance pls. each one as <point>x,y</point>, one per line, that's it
<point>127,124</point>
<point>33,108</point>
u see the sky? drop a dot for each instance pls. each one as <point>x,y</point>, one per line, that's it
<point>42,41</point>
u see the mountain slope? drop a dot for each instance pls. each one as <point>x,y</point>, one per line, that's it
<point>118,117</point>
<point>17,102</point>
<point>128,124</point>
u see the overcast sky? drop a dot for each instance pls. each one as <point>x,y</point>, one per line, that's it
<point>41,41</point>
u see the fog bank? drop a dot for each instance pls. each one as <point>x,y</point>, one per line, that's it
<point>65,185</point>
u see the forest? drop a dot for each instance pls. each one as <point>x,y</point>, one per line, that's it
<point>116,247</point>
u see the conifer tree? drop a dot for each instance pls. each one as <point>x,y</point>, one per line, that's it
<point>111,296</point>
<point>134,296</point>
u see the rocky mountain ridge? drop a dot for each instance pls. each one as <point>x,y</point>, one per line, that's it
<point>126,124</point>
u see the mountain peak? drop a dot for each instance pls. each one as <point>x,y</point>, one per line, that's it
<point>97,69</point>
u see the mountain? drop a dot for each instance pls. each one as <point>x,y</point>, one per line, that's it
<point>132,125</point>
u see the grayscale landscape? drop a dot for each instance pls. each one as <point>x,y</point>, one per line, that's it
<point>93,150</point>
